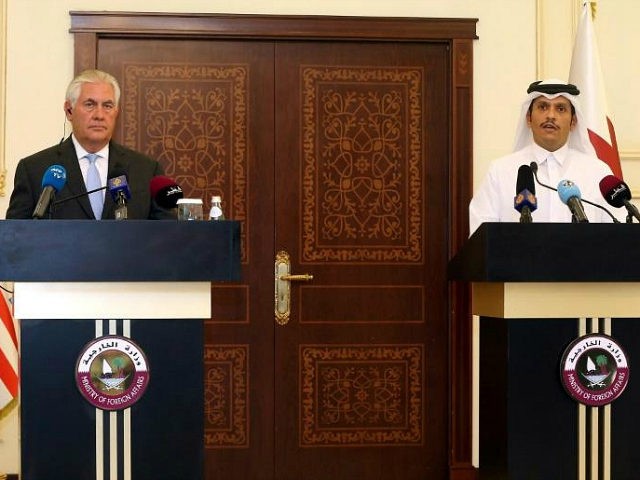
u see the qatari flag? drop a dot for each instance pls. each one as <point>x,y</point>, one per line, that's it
<point>586,74</point>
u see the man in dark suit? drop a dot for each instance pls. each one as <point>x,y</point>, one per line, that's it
<point>91,106</point>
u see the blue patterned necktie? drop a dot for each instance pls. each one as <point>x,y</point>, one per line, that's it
<point>93,182</point>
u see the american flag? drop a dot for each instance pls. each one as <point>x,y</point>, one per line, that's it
<point>8,355</point>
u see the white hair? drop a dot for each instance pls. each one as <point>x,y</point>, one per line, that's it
<point>90,76</point>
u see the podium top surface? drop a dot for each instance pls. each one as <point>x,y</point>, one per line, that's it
<point>110,251</point>
<point>549,252</point>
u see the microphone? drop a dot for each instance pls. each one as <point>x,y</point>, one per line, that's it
<point>534,169</point>
<point>525,200</point>
<point>165,191</point>
<point>53,180</point>
<point>617,194</point>
<point>120,193</point>
<point>570,196</point>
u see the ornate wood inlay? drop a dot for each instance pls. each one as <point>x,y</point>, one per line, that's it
<point>195,125</point>
<point>355,395</point>
<point>362,164</point>
<point>226,396</point>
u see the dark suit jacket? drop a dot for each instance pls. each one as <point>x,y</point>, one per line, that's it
<point>138,168</point>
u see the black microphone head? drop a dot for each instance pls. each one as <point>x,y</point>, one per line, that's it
<point>534,167</point>
<point>525,180</point>
<point>614,191</point>
<point>525,199</point>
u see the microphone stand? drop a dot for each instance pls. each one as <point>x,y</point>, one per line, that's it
<point>62,200</point>
<point>534,169</point>
<point>632,211</point>
<point>121,207</point>
<point>525,216</point>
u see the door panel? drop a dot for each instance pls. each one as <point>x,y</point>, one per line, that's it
<point>361,196</point>
<point>204,109</point>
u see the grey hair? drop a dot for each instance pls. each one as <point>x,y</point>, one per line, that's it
<point>90,76</point>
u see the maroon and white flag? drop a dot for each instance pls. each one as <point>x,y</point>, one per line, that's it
<point>586,74</point>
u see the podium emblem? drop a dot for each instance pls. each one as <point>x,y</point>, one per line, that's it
<point>112,372</point>
<point>594,370</point>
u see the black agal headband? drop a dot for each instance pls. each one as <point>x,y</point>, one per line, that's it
<point>553,88</point>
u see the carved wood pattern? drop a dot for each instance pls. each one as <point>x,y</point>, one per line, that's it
<point>193,120</point>
<point>226,396</point>
<point>362,179</point>
<point>361,395</point>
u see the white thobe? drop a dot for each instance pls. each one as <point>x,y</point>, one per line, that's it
<point>494,199</point>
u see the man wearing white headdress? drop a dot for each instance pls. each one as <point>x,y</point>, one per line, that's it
<point>552,134</point>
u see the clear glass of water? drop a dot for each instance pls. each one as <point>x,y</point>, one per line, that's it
<point>190,209</point>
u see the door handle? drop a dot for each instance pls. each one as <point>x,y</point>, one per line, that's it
<point>305,277</point>
<point>283,279</point>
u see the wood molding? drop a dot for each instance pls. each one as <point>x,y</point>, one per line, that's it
<point>630,155</point>
<point>461,178</point>
<point>463,472</point>
<point>272,26</point>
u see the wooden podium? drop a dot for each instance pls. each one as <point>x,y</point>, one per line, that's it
<point>537,287</point>
<point>147,281</point>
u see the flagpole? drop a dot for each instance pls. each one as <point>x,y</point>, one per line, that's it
<point>592,4</point>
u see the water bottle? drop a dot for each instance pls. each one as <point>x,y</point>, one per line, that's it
<point>216,208</point>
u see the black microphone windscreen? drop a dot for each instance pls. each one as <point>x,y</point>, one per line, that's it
<point>525,180</point>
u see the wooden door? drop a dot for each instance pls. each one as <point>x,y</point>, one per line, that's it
<point>361,192</point>
<point>205,110</point>
<point>338,152</point>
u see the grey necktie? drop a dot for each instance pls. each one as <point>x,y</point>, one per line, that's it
<point>93,182</point>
